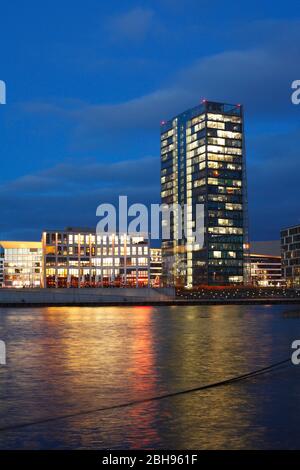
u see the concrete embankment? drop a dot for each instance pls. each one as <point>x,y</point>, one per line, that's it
<point>122,296</point>
<point>104,296</point>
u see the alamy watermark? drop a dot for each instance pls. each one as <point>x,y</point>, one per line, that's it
<point>295,97</point>
<point>163,221</point>
<point>296,354</point>
<point>2,353</point>
<point>2,92</point>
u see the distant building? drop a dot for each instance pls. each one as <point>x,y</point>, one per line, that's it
<point>265,261</point>
<point>155,267</point>
<point>81,258</point>
<point>21,264</point>
<point>266,270</point>
<point>290,255</point>
<point>203,162</point>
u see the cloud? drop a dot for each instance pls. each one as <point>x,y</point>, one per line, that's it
<point>68,194</point>
<point>273,183</point>
<point>133,25</point>
<point>260,78</point>
<point>67,174</point>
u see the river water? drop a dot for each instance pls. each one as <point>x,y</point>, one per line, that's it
<point>68,360</point>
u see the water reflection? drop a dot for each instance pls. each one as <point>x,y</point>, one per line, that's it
<point>291,313</point>
<point>61,360</point>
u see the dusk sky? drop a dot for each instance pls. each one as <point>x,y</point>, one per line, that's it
<point>89,82</point>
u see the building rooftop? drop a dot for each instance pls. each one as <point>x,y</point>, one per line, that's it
<point>205,106</point>
<point>18,244</point>
<point>290,227</point>
<point>72,229</point>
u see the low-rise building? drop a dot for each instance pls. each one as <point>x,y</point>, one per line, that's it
<point>265,262</point>
<point>79,257</point>
<point>290,255</point>
<point>21,264</point>
<point>266,270</point>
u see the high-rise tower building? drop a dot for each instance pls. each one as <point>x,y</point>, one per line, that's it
<point>203,162</point>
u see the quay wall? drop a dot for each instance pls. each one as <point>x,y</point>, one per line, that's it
<point>85,296</point>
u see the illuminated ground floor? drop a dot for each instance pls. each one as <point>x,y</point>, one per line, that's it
<point>96,278</point>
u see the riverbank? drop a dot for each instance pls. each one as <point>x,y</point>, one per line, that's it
<point>156,303</point>
<point>143,297</point>
<point>85,297</point>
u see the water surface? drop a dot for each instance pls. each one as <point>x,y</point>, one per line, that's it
<point>62,360</point>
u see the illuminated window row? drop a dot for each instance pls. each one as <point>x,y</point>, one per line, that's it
<point>220,181</point>
<point>225,230</point>
<point>223,118</point>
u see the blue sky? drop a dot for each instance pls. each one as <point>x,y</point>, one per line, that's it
<point>89,82</point>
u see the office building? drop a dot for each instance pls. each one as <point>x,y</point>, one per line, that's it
<point>81,258</point>
<point>290,255</point>
<point>21,264</point>
<point>203,162</point>
<point>265,257</point>
<point>266,270</point>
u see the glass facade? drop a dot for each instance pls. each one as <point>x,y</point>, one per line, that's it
<point>21,264</point>
<point>290,255</point>
<point>203,162</point>
<point>82,258</point>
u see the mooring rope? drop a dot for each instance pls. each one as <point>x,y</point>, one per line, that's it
<point>221,383</point>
